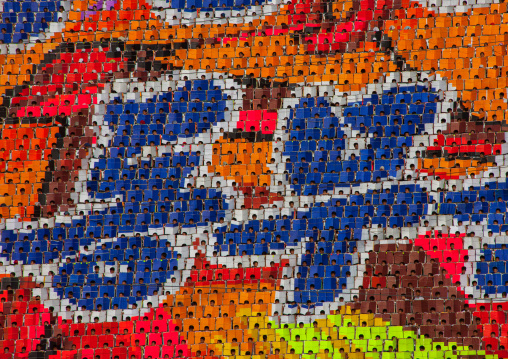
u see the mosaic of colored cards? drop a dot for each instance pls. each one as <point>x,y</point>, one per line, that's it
<point>253,179</point>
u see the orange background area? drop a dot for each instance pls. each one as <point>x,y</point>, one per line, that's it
<point>254,157</point>
<point>444,54</point>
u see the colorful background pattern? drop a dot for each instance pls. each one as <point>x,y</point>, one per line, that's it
<point>253,179</point>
